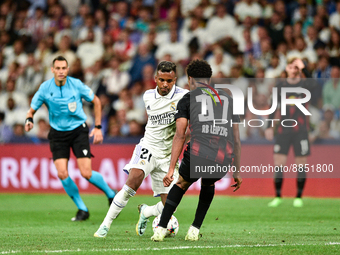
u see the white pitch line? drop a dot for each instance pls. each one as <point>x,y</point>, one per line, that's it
<point>169,248</point>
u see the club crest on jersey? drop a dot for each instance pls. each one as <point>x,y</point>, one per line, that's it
<point>142,162</point>
<point>72,106</point>
<point>173,106</point>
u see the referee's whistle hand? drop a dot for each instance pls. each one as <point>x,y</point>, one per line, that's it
<point>28,126</point>
<point>97,136</point>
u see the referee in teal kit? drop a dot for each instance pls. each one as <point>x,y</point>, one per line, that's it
<point>63,97</point>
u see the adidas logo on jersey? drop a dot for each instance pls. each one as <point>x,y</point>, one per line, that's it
<point>148,107</point>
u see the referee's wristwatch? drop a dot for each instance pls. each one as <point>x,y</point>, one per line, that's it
<point>98,126</point>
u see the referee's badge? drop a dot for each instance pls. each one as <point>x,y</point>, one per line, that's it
<point>173,106</point>
<point>72,106</point>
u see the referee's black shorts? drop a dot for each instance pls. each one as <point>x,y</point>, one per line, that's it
<point>77,139</point>
<point>189,163</point>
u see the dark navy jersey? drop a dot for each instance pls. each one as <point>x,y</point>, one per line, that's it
<point>210,123</point>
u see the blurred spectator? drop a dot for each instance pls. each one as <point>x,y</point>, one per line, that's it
<point>84,31</point>
<point>123,123</point>
<point>65,51</point>
<point>142,22</point>
<point>312,38</point>
<point>107,112</point>
<point>220,26</point>
<point>334,44</point>
<point>177,50</point>
<point>38,25</point>
<point>89,51</point>
<point>19,135</point>
<point>262,86</point>
<point>30,76</point>
<point>274,69</point>
<point>330,119</point>
<point>331,89</point>
<point>323,69</point>
<point>303,15</point>
<point>302,52</point>
<point>122,9</point>
<point>334,19</point>
<point>19,97</point>
<point>116,79</point>
<point>288,37</point>
<point>100,17</point>
<point>15,54</point>
<point>124,47</point>
<point>275,29</point>
<point>137,92</point>
<point>135,129</point>
<point>238,79</point>
<point>79,20</point>
<point>148,79</point>
<point>143,58</point>
<point>5,130</point>
<point>113,28</point>
<point>220,62</point>
<point>76,70</point>
<point>66,22</point>
<point>194,32</point>
<point>94,76</point>
<point>14,113</point>
<point>55,12</point>
<point>324,131</point>
<point>114,129</point>
<point>323,31</point>
<point>43,130</point>
<point>245,8</point>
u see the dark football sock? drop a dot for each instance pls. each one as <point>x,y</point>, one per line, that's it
<point>301,180</point>
<point>174,198</point>
<point>206,196</point>
<point>278,180</point>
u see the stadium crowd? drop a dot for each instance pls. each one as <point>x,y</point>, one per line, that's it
<point>114,47</point>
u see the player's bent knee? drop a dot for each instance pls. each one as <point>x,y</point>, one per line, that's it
<point>135,179</point>
<point>62,175</point>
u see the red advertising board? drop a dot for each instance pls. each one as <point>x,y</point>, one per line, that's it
<point>30,169</point>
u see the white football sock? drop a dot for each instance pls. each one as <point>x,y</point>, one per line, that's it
<point>119,202</point>
<point>153,210</point>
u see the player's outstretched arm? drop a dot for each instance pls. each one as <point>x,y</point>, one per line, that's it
<point>97,132</point>
<point>237,159</point>
<point>177,146</point>
<point>29,119</point>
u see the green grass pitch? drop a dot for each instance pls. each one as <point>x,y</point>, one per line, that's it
<point>40,224</point>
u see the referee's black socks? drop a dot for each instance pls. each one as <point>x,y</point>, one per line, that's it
<point>174,198</point>
<point>206,196</point>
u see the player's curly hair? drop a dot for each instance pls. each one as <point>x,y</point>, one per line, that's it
<point>199,69</point>
<point>166,67</point>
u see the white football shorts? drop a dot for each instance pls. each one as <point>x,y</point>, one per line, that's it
<point>157,167</point>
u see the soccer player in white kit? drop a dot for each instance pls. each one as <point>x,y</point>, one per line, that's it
<point>152,154</point>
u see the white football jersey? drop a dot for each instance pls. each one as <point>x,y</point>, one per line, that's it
<point>161,126</point>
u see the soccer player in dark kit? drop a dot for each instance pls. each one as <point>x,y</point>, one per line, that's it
<point>296,136</point>
<point>215,145</point>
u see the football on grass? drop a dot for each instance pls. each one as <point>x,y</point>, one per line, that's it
<point>172,228</point>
